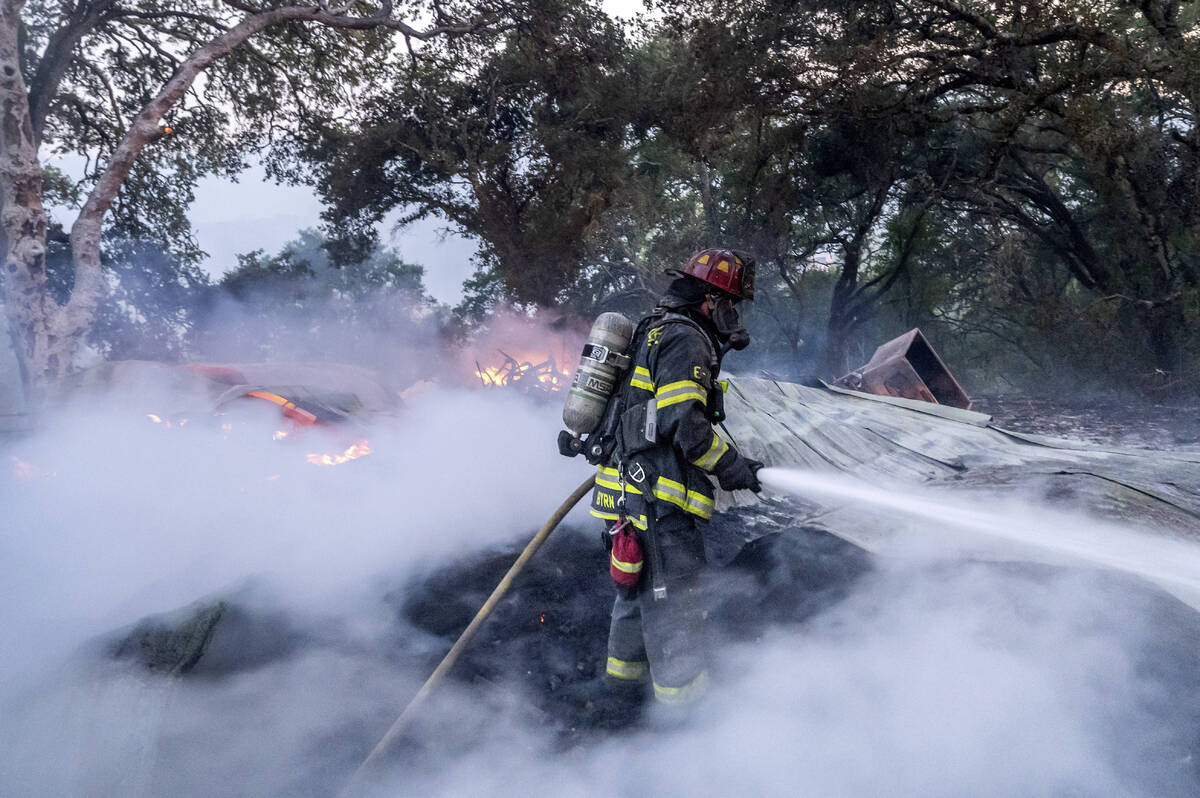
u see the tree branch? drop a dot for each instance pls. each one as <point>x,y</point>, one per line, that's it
<point>86,231</point>
<point>52,66</point>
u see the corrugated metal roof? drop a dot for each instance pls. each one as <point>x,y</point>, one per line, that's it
<point>883,440</point>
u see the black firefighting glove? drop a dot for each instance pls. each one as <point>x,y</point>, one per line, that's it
<point>740,473</point>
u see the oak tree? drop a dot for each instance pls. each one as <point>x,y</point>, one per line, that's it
<point>153,94</point>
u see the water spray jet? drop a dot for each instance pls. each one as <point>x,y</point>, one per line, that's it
<point>1173,564</point>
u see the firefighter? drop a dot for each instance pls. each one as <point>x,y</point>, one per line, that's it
<point>658,481</point>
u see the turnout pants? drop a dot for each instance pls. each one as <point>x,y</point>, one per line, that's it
<point>664,642</point>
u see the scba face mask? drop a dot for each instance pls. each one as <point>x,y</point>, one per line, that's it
<point>728,322</point>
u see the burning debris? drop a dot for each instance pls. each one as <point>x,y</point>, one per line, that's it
<point>338,400</point>
<point>532,353</point>
<point>299,419</point>
<point>299,415</point>
<point>355,451</point>
<point>167,423</point>
<point>543,377</point>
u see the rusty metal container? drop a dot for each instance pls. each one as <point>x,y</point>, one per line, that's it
<point>908,367</point>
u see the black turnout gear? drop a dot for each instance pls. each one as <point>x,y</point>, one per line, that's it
<point>660,472</point>
<point>667,445</point>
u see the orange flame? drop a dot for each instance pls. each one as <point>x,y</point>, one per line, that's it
<point>356,450</point>
<point>524,371</point>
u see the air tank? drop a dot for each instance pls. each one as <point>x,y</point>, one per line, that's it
<point>600,367</point>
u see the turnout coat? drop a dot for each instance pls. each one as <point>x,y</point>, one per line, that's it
<point>667,446</point>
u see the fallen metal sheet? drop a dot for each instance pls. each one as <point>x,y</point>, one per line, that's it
<point>896,441</point>
<point>908,366</point>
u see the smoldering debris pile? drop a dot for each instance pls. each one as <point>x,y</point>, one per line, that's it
<point>545,641</point>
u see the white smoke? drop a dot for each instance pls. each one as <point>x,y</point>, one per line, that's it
<point>112,518</point>
<point>931,678</point>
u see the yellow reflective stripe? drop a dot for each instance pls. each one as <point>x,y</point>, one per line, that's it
<point>625,567</point>
<point>708,460</point>
<point>682,695</point>
<point>669,498</point>
<point>641,379</point>
<point>686,396</point>
<point>622,669</point>
<point>674,386</point>
<point>671,491</point>
<point>690,501</point>
<point>699,504</point>
<point>638,521</point>
<point>682,391</point>
<point>604,483</point>
<point>670,483</point>
<point>610,478</point>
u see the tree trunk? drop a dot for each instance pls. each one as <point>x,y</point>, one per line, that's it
<point>833,354</point>
<point>1163,325</point>
<point>33,315</point>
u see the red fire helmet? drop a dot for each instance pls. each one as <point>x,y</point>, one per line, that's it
<point>732,272</point>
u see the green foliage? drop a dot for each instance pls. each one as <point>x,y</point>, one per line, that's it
<point>150,311</point>
<point>303,273</point>
<point>518,142</point>
<point>1022,182</point>
<point>91,68</point>
<point>58,188</point>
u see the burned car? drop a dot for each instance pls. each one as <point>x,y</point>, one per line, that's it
<point>326,409</point>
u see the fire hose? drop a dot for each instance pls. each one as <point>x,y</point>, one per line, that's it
<point>389,742</point>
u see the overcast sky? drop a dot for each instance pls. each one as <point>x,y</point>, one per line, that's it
<point>254,213</point>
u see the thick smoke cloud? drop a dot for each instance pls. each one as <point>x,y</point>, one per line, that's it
<point>132,517</point>
<point>111,518</point>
